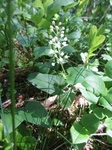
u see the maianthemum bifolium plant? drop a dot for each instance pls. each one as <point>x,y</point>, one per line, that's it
<point>63,46</point>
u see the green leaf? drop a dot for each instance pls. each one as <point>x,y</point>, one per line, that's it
<point>108,97</point>
<point>56,6</point>
<point>108,123</point>
<point>26,143</point>
<point>89,96</point>
<point>74,35</point>
<point>38,3</point>
<point>51,84</point>
<point>108,68</point>
<point>41,51</point>
<point>76,75</point>
<point>7,122</point>
<point>35,113</point>
<point>92,33</point>
<point>78,133</point>
<point>99,112</point>
<point>68,49</point>
<point>24,139</point>
<point>90,122</point>
<point>96,42</point>
<point>66,99</point>
<point>105,104</point>
<point>97,84</point>
<point>37,17</point>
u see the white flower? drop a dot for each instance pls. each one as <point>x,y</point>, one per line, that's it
<point>51,28</point>
<point>57,27</point>
<point>64,44</point>
<point>57,45</point>
<point>60,59</point>
<point>56,38</point>
<point>65,39</point>
<point>50,42</point>
<point>60,23</point>
<point>95,69</point>
<point>66,57</point>
<point>67,30</point>
<point>83,56</point>
<point>53,64</point>
<point>62,35</point>
<point>56,51</point>
<point>63,28</point>
<point>51,51</point>
<point>62,53</point>
<point>50,37</point>
<point>53,40</point>
<point>62,32</point>
<point>53,22</point>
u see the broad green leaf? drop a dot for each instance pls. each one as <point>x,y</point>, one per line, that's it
<point>66,99</point>
<point>105,104</point>
<point>106,57</point>
<point>89,96</point>
<point>108,68</point>
<point>37,17</point>
<point>78,133</point>
<point>35,113</point>
<point>76,75</point>
<point>68,49</point>
<point>43,67</point>
<point>36,108</point>
<point>90,122</point>
<point>97,84</point>
<point>109,133</point>
<point>56,6</point>
<point>46,4</point>
<point>96,42</point>
<point>92,33</point>
<point>108,123</point>
<point>38,4</point>
<point>74,35</point>
<point>41,51</point>
<point>108,97</point>
<point>99,112</point>
<point>51,84</point>
<point>101,30</point>
<point>44,23</point>
<point>7,122</point>
<point>26,143</point>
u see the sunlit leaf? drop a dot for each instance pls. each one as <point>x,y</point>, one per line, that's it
<point>47,82</point>
<point>97,84</point>
<point>90,122</point>
<point>76,75</point>
<point>78,133</point>
<point>108,68</point>
<point>105,104</point>
<point>56,6</point>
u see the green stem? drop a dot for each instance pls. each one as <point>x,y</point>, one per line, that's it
<point>11,70</point>
<point>63,70</point>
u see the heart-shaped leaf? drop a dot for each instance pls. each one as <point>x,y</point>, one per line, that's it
<point>78,133</point>
<point>97,84</point>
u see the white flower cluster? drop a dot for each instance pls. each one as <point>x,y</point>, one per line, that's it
<point>57,41</point>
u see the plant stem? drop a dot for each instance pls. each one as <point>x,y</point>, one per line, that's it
<point>11,65</point>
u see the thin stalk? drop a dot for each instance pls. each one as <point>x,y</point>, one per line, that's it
<point>11,70</point>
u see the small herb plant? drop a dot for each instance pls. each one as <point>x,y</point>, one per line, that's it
<point>63,61</point>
